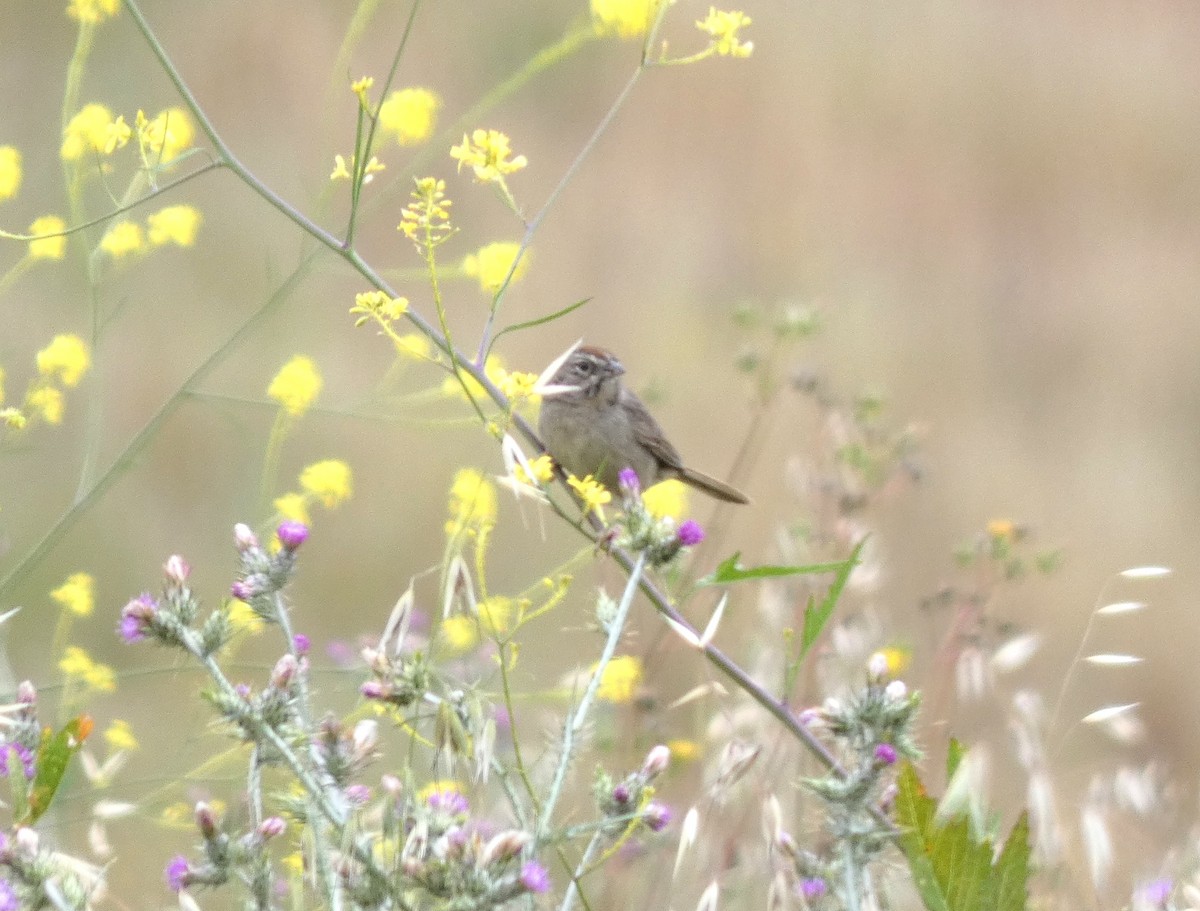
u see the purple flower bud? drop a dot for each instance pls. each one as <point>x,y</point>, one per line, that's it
<point>534,877</point>
<point>26,692</point>
<point>620,794</point>
<point>358,794</point>
<point>885,754</point>
<point>136,617</point>
<point>243,589</point>
<point>301,644</point>
<point>243,690</point>
<point>374,689</point>
<point>206,820</point>
<point>8,898</point>
<point>292,534</point>
<point>813,887</point>
<point>271,827</point>
<point>630,485</point>
<point>656,762</point>
<point>449,802</point>
<point>504,846</point>
<point>284,672</point>
<point>690,533</point>
<point>178,873</point>
<point>657,816</point>
<point>176,570</point>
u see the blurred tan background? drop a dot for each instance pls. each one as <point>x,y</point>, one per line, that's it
<point>994,207</point>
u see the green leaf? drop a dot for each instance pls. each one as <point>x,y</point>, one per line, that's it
<point>54,754</point>
<point>517,327</point>
<point>816,616</point>
<point>954,754</point>
<point>953,870</point>
<point>731,571</point>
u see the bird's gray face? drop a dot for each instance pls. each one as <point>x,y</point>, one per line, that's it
<point>592,371</point>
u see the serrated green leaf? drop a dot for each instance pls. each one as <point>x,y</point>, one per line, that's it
<point>815,617</point>
<point>1012,869</point>
<point>731,571</point>
<point>53,756</point>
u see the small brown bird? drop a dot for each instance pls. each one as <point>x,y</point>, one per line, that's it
<point>592,425</point>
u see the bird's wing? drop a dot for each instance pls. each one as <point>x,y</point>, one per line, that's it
<point>648,433</point>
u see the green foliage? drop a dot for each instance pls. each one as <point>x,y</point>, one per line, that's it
<point>53,755</point>
<point>951,868</point>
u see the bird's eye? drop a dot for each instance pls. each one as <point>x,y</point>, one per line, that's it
<point>584,367</point>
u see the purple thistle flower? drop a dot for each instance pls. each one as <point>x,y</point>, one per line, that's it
<point>22,753</point>
<point>631,487</point>
<point>136,617</point>
<point>8,898</point>
<point>620,794</point>
<point>534,877</point>
<point>690,533</point>
<point>449,802</point>
<point>358,794</point>
<point>885,754</point>
<point>301,643</point>
<point>292,534</point>
<point>178,872</point>
<point>813,887</point>
<point>657,816</point>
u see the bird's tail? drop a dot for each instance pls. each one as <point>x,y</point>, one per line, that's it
<point>712,486</point>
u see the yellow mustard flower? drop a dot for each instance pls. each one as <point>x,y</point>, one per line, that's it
<point>491,264</point>
<point>898,659</point>
<point>723,28</point>
<point>426,219</point>
<point>242,618</point>
<point>667,498</point>
<point>66,357</point>
<point>683,750</point>
<point>86,133</point>
<point>518,385</point>
<point>377,302</point>
<point>1002,528</point>
<point>293,506</point>
<point>592,492</point>
<point>123,238</point>
<point>415,345</point>
<point>440,786</point>
<point>173,225</point>
<point>93,11</point>
<point>341,170</point>
<point>166,137</point>
<point>623,18</point>
<point>496,614</point>
<point>542,468</point>
<point>460,633</point>
<point>47,401</point>
<point>410,115</point>
<point>77,594</point>
<point>487,153</point>
<point>472,501</point>
<point>10,171</point>
<point>296,385</point>
<point>118,134</point>
<point>119,736</point>
<point>48,247</point>
<point>78,665</point>
<point>330,481</point>
<point>361,87</point>
<point>621,678</point>
<point>13,417</point>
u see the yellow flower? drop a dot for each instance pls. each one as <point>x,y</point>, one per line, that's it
<point>723,28</point>
<point>86,133</point>
<point>360,87</point>
<point>293,506</point>
<point>623,18</point>
<point>12,417</point>
<point>117,135</point>
<point>48,247</point>
<point>898,659</point>
<point>47,401</point>
<point>667,498</point>
<point>329,481</point>
<point>496,614</point>
<point>66,357</point>
<point>491,264</point>
<point>165,137</point>
<point>415,345</point>
<point>487,153</point>
<point>119,736</point>
<point>426,219</point>
<point>10,171</point>
<point>1002,528</point>
<point>77,594</point>
<point>173,225</point>
<point>621,678</point>
<point>296,385</point>
<point>389,308</point>
<point>472,501</point>
<point>341,170</point>
<point>542,468</point>
<point>243,618</point>
<point>683,750</point>
<point>78,664</point>
<point>440,786</point>
<point>592,493</point>
<point>460,633</point>
<point>93,10</point>
<point>410,115</point>
<point>517,385</point>
<point>122,238</point>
